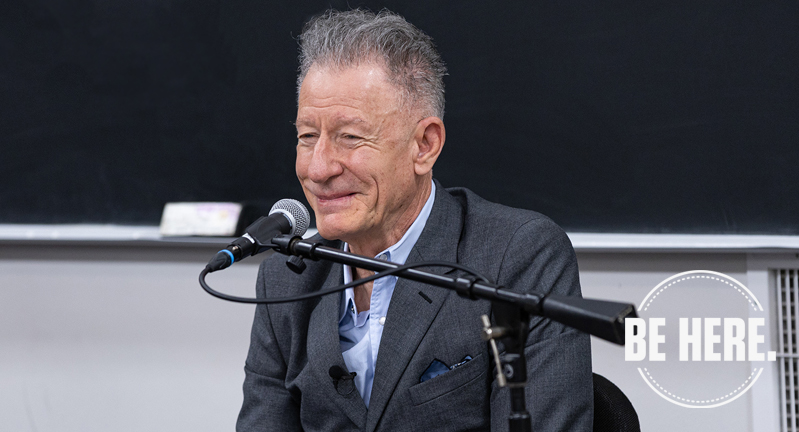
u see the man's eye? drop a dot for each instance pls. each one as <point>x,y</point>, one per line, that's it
<point>307,137</point>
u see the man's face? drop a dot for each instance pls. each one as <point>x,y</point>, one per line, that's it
<point>355,152</point>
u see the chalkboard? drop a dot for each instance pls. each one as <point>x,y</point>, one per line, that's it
<point>611,116</point>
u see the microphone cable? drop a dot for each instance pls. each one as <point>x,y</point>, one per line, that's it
<point>339,288</point>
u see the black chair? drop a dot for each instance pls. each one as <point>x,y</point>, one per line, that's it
<point>613,412</point>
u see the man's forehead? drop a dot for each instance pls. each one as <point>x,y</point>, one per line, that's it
<point>309,118</point>
<point>359,95</point>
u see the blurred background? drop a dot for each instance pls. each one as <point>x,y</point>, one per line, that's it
<point>614,116</point>
<point>662,136</point>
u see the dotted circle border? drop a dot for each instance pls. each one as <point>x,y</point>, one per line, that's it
<point>701,401</point>
<point>674,282</point>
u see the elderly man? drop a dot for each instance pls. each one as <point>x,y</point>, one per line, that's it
<point>397,355</point>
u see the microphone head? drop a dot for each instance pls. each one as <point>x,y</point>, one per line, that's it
<point>296,213</point>
<point>336,372</point>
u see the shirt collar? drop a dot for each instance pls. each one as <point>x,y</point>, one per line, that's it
<point>397,253</point>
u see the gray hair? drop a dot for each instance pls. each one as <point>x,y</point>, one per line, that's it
<point>348,39</point>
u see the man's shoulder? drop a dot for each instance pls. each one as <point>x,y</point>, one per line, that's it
<point>491,232</point>
<point>492,217</point>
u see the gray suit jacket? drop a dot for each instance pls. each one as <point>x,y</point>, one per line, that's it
<point>293,345</point>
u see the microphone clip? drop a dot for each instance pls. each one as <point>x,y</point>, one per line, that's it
<point>285,244</point>
<point>296,264</point>
<point>343,381</point>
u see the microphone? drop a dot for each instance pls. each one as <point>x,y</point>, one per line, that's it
<point>287,216</point>
<point>342,378</point>
<point>338,373</point>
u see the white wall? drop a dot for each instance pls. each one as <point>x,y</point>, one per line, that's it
<point>99,336</point>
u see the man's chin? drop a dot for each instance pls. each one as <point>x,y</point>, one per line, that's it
<point>336,225</point>
<point>333,232</point>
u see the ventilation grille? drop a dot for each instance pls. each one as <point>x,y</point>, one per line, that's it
<point>787,314</point>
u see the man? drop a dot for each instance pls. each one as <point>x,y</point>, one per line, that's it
<point>370,129</point>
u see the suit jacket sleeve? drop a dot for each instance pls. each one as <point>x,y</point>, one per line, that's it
<point>268,405</point>
<point>559,393</point>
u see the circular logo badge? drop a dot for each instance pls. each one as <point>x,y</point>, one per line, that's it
<point>699,339</point>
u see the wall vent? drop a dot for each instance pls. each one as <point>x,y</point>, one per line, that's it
<point>787,281</point>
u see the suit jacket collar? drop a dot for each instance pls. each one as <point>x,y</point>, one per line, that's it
<point>441,235</point>
<point>324,351</point>
<point>414,305</point>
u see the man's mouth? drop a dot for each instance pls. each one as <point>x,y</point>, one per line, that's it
<point>333,196</point>
<point>334,199</point>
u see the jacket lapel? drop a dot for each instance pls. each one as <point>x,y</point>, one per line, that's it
<point>324,351</point>
<point>409,313</point>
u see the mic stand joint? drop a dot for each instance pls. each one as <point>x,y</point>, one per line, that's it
<point>511,365</point>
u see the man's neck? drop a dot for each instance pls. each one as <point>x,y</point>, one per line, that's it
<point>363,293</point>
<point>373,243</point>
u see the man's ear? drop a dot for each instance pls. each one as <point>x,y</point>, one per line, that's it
<point>429,141</point>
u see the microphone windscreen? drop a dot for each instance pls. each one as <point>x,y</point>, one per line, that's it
<point>336,372</point>
<point>296,212</point>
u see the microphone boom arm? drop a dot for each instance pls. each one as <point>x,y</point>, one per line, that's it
<point>603,319</point>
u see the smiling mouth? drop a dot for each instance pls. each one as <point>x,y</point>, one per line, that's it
<point>323,199</point>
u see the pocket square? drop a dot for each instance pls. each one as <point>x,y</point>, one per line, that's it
<point>437,367</point>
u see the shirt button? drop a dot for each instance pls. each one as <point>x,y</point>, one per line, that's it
<point>382,257</point>
<point>382,320</point>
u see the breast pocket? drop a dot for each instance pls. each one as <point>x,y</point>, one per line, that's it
<point>452,381</point>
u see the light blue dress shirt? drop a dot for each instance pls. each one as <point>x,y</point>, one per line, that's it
<point>360,332</point>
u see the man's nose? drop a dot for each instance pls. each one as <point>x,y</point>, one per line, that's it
<point>325,161</point>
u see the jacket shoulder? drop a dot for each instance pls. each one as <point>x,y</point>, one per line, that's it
<point>492,219</point>
<point>491,232</point>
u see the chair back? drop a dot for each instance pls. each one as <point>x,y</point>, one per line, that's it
<point>613,412</point>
